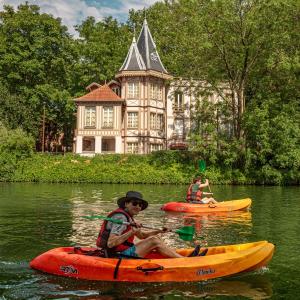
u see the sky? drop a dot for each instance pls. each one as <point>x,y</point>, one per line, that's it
<point>73,12</point>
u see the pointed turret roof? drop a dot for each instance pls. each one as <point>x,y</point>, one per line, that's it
<point>142,54</point>
<point>103,93</point>
<point>134,60</point>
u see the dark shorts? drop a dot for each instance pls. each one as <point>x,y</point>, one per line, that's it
<point>129,252</point>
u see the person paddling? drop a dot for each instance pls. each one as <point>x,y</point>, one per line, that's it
<point>195,193</point>
<point>118,239</point>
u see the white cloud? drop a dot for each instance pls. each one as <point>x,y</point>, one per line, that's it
<point>73,12</point>
<point>136,4</point>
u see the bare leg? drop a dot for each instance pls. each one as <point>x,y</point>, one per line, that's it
<point>212,200</point>
<point>147,245</point>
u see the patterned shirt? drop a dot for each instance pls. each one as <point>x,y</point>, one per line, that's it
<point>115,228</point>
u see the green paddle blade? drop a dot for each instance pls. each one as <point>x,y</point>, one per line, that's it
<point>201,165</point>
<point>186,233</point>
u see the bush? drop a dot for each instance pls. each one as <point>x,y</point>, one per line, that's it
<point>269,175</point>
<point>8,165</point>
<point>15,145</point>
<point>16,142</point>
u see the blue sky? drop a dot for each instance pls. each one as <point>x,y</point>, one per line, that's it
<point>73,12</point>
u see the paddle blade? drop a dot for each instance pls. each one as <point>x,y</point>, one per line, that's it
<point>201,165</point>
<point>186,233</point>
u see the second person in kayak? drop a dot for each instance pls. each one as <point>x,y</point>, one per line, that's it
<point>195,193</point>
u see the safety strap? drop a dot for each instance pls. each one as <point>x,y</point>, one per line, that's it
<point>117,268</point>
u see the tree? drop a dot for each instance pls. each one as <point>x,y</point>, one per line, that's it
<point>239,35</point>
<point>36,61</point>
<point>222,41</point>
<point>102,48</point>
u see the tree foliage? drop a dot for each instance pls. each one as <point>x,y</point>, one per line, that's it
<point>102,48</point>
<point>35,67</point>
<point>250,47</point>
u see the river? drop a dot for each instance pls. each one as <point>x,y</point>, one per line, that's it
<point>37,217</point>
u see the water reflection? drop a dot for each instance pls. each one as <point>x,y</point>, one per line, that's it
<point>211,229</point>
<point>242,286</point>
<point>37,217</point>
<point>84,232</point>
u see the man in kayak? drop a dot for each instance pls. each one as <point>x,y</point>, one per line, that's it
<point>117,239</point>
<point>195,193</point>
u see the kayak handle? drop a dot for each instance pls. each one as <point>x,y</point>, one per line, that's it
<point>146,268</point>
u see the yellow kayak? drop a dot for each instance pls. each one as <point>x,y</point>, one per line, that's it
<point>224,206</point>
<point>219,261</point>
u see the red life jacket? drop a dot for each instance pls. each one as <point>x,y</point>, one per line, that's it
<point>193,195</point>
<point>104,234</point>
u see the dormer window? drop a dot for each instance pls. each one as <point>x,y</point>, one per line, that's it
<point>116,89</point>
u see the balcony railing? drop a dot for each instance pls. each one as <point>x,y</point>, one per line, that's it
<point>178,108</point>
<point>178,142</point>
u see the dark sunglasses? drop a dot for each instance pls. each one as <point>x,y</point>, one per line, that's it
<point>135,203</point>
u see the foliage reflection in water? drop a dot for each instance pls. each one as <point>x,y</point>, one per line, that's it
<point>37,217</point>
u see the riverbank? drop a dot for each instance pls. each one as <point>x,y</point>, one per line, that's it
<point>164,167</point>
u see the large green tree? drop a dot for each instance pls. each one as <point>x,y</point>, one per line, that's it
<point>36,61</point>
<point>102,47</point>
<point>221,41</point>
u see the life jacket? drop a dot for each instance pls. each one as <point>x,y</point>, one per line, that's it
<point>193,193</point>
<point>104,234</point>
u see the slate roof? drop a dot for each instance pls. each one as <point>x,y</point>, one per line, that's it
<point>134,60</point>
<point>103,93</point>
<point>142,55</point>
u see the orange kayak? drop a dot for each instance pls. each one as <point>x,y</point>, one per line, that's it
<point>219,261</point>
<point>224,206</point>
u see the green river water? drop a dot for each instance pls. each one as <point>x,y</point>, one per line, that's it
<point>37,217</point>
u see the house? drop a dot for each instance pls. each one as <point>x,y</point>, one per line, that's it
<point>138,112</point>
<point>127,115</point>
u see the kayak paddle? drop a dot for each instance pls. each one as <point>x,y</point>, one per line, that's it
<point>186,233</point>
<point>202,168</point>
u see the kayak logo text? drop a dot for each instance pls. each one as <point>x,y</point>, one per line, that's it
<point>68,269</point>
<point>202,272</point>
<point>181,208</point>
